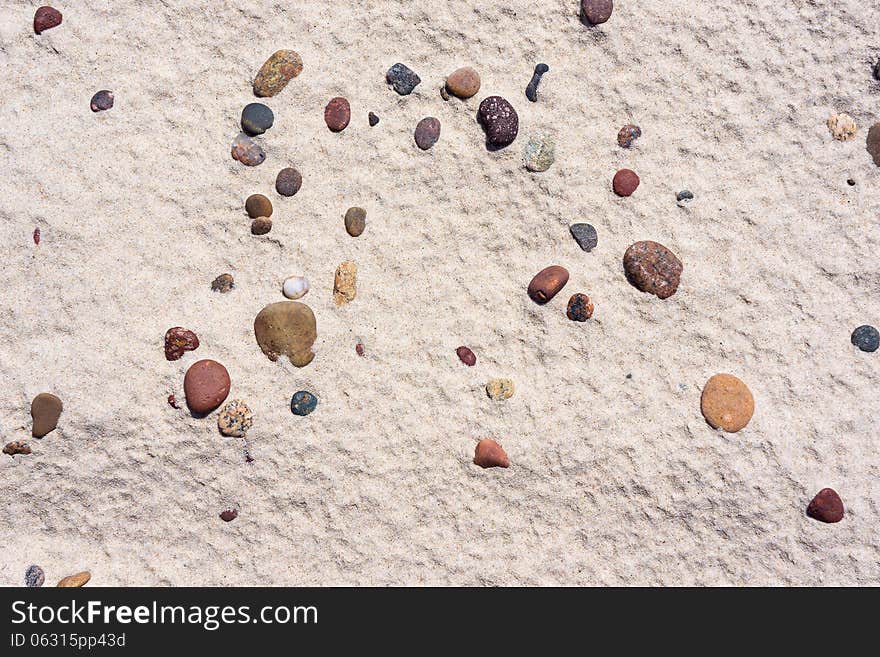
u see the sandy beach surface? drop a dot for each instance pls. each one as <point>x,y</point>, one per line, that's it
<point>615,476</point>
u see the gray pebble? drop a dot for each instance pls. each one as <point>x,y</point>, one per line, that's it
<point>585,235</point>
<point>866,338</point>
<point>34,577</point>
<point>256,118</point>
<point>402,78</point>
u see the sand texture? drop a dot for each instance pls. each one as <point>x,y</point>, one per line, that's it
<point>613,480</point>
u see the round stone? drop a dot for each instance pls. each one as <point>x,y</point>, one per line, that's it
<point>842,126</point>
<point>355,221</point>
<point>258,205</point>
<point>102,100</point>
<point>45,18</point>
<point>684,197</point>
<point>547,283</point>
<point>499,389</point>
<point>585,236</point>
<point>302,403</point>
<point>261,226</point>
<point>235,419</point>
<point>247,151</point>
<point>179,340</point>
<point>628,134</point>
<point>373,119</point>
<point>223,283</point>
<point>286,328</point>
<point>34,577</point>
<point>276,72</point>
<point>427,132</point>
<point>580,308</point>
<point>596,12</point>
<point>539,152</point>
<point>652,268</point>
<point>337,114</point>
<point>499,120</point>
<point>826,506</point>
<point>866,338</point>
<point>46,411</point>
<point>295,287</point>
<point>288,181</point>
<point>206,386</point>
<point>402,78</point>
<point>489,454</point>
<point>873,143</point>
<point>256,118</point>
<point>625,182</point>
<point>466,356</point>
<point>727,403</point>
<point>464,82</point>
<point>228,515</point>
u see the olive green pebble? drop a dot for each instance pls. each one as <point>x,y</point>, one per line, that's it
<point>355,221</point>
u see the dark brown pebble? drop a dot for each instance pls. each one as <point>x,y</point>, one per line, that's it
<point>547,283</point>
<point>288,181</point>
<point>873,143</point>
<point>223,283</point>
<point>103,100</point>
<point>595,12</point>
<point>17,447</point>
<point>628,134</point>
<point>206,386</point>
<point>625,182</point>
<point>499,120</point>
<point>261,226</point>
<point>466,356</point>
<point>179,340</point>
<point>359,349</point>
<point>36,235</point>
<point>229,515</point>
<point>172,401</point>
<point>427,132</point>
<point>258,205</point>
<point>337,114</point>
<point>580,308</point>
<point>355,221</point>
<point>45,410</point>
<point>826,506</point>
<point>652,268</point>
<point>45,18</point>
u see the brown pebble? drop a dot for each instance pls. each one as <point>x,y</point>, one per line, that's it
<point>355,221</point>
<point>223,283</point>
<point>466,356</point>
<point>258,205</point>
<point>103,100</point>
<point>652,268</point>
<point>359,349</point>
<point>36,235</point>
<point>625,182</point>
<point>826,506</point>
<point>206,386</point>
<point>45,410</point>
<point>628,134</point>
<point>229,515</point>
<point>172,401</point>
<point>45,18</point>
<point>17,447</point>
<point>276,72</point>
<point>75,581</point>
<point>261,226</point>
<point>288,181</point>
<point>547,283</point>
<point>179,340</point>
<point>337,114</point>
<point>464,82</point>
<point>247,151</point>
<point>427,133</point>
<point>595,12</point>
<point>490,454</point>
<point>873,143</point>
<point>580,308</point>
<point>287,328</point>
<point>727,403</point>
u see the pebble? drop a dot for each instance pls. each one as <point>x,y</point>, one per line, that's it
<point>355,221</point>
<point>727,403</point>
<point>402,78</point>
<point>444,92</point>
<point>826,506</point>
<point>258,205</point>
<point>652,268</point>
<point>206,385</point>
<point>276,72</point>
<point>256,118</point>
<point>229,515</point>
<point>359,348</point>
<point>75,581</point>
<point>34,577</point>
<point>286,328</point>
<point>539,152</point>
<point>247,151</point>
<point>427,132</point>
<point>466,356</point>
<point>235,419</point>
<point>288,181</point>
<point>547,283</point>
<point>532,88</point>
<point>684,197</point>
<point>499,389</point>
<point>295,287</point>
<point>499,120</point>
<point>17,447</point>
<point>489,454</point>
<point>45,410</point>
<point>302,403</point>
<point>873,143</point>
<point>172,401</point>
<point>580,308</point>
<point>628,134</point>
<point>179,340</point>
<point>866,338</point>
<point>877,71</point>
<point>261,226</point>
<point>585,236</point>
<point>103,100</point>
<point>36,236</point>
<point>45,18</point>
<point>842,126</point>
<point>596,12</point>
<point>337,114</point>
<point>345,283</point>
<point>373,119</point>
<point>625,182</point>
<point>463,83</point>
<point>223,283</point>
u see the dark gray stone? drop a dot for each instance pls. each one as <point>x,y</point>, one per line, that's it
<point>256,118</point>
<point>402,78</point>
<point>585,235</point>
<point>866,338</point>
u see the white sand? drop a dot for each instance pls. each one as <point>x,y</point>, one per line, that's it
<point>612,481</point>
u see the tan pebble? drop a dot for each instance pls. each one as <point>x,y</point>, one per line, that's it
<point>490,454</point>
<point>464,82</point>
<point>287,328</point>
<point>235,419</point>
<point>75,581</point>
<point>727,403</point>
<point>345,283</point>
<point>261,226</point>
<point>842,126</point>
<point>499,389</point>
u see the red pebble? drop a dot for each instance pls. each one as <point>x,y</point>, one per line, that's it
<point>826,506</point>
<point>229,515</point>
<point>46,18</point>
<point>178,340</point>
<point>172,401</point>
<point>466,356</point>
<point>36,235</point>
<point>490,454</point>
<point>359,348</point>
<point>625,182</point>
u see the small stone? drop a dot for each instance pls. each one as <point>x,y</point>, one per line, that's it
<point>17,447</point>
<point>256,118</point>
<point>826,506</point>
<point>103,100</point>
<point>596,12</point>
<point>499,389</point>
<point>345,283</point>
<point>235,419</point>
<point>302,403</point>
<point>261,226</point>
<point>585,236</point>
<point>849,181</point>
<point>355,221</point>
<point>490,454</point>
<point>359,348</point>
<point>45,410</point>
<point>337,114</point>
<point>172,401</point>
<point>373,119</point>
<point>34,577</point>
<point>652,268</point>
<point>873,143</point>
<point>628,134</point>
<point>258,205</point>
<point>547,283</point>
<point>499,120</point>
<point>684,197</point>
<point>75,581</point>
<point>36,236</point>
<point>539,152</point>
<point>45,18</point>
<point>444,93</point>
<point>247,151</point>
<point>276,72</point>
<point>463,83</point>
<point>206,386</point>
<point>580,308</point>
<point>727,403</point>
<point>625,182</point>
<point>286,328</point>
<point>427,132</point>
<point>229,515</point>
<point>466,356</point>
<point>295,287</point>
<point>866,338</point>
<point>402,78</point>
<point>842,126</point>
<point>532,87</point>
<point>179,340</point>
<point>288,181</point>
<point>877,71</point>
<point>223,283</point>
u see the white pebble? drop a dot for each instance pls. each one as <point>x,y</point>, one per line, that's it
<point>295,287</point>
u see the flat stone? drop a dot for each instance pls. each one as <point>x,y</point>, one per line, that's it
<point>345,283</point>
<point>276,72</point>
<point>585,236</point>
<point>102,100</point>
<point>539,152</point>
<point>337,114</point>
<point>355,221</point>
<point>580,308</point>
<point>866,338</point>
<point>652,268</point>
<point>463,83</point>
<point>303,402</point>
<point>547,283</point>
<point>45,410</point>
<point>596,12</point>
<point>235,419</point>
<point>427,132</point>
<point>625,182</point>
<point>402,78</point>
<point>223,283</point>
<point>466,356</point>
<point>206,385</point>
<point>499,389</point>
<point>287,328</point>
<point>489,454</point>
<point>499,120</point>
<point>75,581</point>
<point>17,447</point>
<point>826,506</point>
<point>256,118</point>
<point>247,151</point>
<point>179,340</point>
<point>258,205</point>
<point>288,181</point>
<point>45,18</point>
<point>727,403</point>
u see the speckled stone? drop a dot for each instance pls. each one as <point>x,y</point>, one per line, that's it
<point>489,454</point>
<point>17,447</point>
<point>258,205</point>
<point>223,283</point>
<point>628,134</point>
<point>500,389</point>
<point>102,100</point>
<point>464,82</point>
<point>580,308</point>
<point>256,118</point>
<point>402,78</point>
<point>842,126</point>
<point>539,152</point>
<point>34,577</point>
<point>179,340</point>
<point>427,132</point>
<point>466,356</point>
<point>337,114</point>
<point>206,385</point>
<point>75,581</point>
<point>345,283</point>
<point>866,338</point>
<point>625,182</point>
<point>727,403</point>
<point>585,236</point>
<point>355,221</point>
<point>45,18</point>
<point>276,72</point>
<point>547,283</point>
<point>826,506</point>
<point>247,151</point>
<point>596,12</point>
<point>235,419</point>
<point>287,328</point>
<point>303,402</point>
<point>652,268</point>
<point>261,226</point>
<point>46,411</point>
<point>288,181</point>
<point>499,120</point>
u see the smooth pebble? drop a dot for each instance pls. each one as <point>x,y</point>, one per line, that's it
<point>286,328</point>
<point>256,118</point>
<point>46,410</point>
<point>355,221</point>
<point>585,235</point>
<point>276,72</point>
<point>427,132</point>
<point>866,338</point>
<point>539,152</point>
<point>303,402</point>
<point>402,78</point>
<point>652,268</point>
<point>489,454</point>
<point>206,385</point>
<point>295,287</point>
<point>288,181</point>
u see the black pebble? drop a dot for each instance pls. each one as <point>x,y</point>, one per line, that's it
<point>877,71</point>
<point>532,89</point>
<point>866,338</point>
<point>374,120</point>
<point>684,195</point>
<point>585,235</point>
<point>256,118</point>
<point>851,182</point>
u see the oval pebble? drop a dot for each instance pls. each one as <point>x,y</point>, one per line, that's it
<point>547,283</point>
<point>235,419</point>
<point>580,308</point>
<point>228,515</point>
<point>826,506</point>
<point>337,114</point>
<point>276,72</point>
<point>345,283</point>
<point>355,221</point>
<point>179,340</point>
<point>499,120</point>
<point>258,205</point>
<point>596,12</point>
<point>303,402</point>
<point>45,18</point>
<point>625,182</point>
<point>585,236</point>
<point>261,226</point>
<point>102,100</point>
<point>466,356</point>
<point>866,338</point>
<point>34,577</point>
<point>206,385</point>
<point>539,152</point>
<point>223,283</point>
<point>256,118</point>
<point>288,181</point>
<point>247,151</point>
<point>295,287</point>
<point>652,268</point>
<point>727,403</point>
<point>427,132</point>
<point>402,78</point>
<point>75,581</point>
<point>489,454</point>
<point>46,410</point>
<point>463,83</point>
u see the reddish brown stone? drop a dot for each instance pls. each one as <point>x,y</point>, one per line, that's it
<point>206,386</point>
<point>547,283</point>
<point>172,401</point>
<point>652,268</point>
<point>337,114</point>
<point>625,182</point>
<point>46,18</point>
<point>36,235</point>
<point>628,134</point>
<point>490,454</point>
<point>595,12</point>
<point>826,506</point>
<point>359,349</point>
<point>427,132</point>
<point>466,356</point>
<point>580,308</point>
<point>229,515</point>
<point>17,447</point>
<point>179,340</point>
<point>261,226</point>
